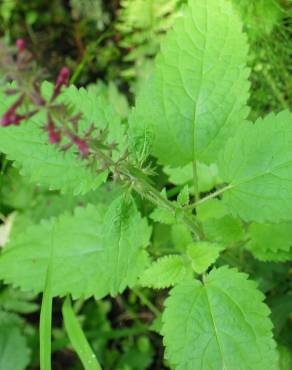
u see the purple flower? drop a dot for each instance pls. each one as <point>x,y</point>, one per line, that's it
<point>20,44</point>
<point>54,134</point>
<point>62,80</point>
<point>82,146</point>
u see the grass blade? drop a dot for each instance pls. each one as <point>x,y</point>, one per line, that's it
<point>46,315</point>
<point>46,324</point>
<point>78,339</point>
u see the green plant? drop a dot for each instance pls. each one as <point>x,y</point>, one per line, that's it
<point>141,26</point>
<point>190,117</point>
<point>268,25</point>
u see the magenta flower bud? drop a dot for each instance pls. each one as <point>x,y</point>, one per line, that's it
<point>11,118</point>
<point>5,120</point>
<point>63,77</point>
<point>62,80</point>
<point>82,146</point>
<point>54,134</point>
<point>65,73</point>
<point>20,44</point>
<point>15,119</point>
<point>54,137</point>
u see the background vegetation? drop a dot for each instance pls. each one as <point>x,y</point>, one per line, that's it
<point>110,45</point>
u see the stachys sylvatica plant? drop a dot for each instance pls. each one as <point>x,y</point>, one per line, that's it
<point>191,117</point>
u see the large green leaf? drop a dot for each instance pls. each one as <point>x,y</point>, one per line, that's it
<point>198,92</point>
<point>257,165</point>
<point>96,110</point>
<point>95,252</point>
<point>220,324</point>
<point>44,163</point>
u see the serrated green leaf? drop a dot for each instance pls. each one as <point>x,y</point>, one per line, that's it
<point>199,89</point>
<point>257,165</point>
<point>14,352</point>
<point>96,252</point>
<point>203,255</point>
<point>269,255</point>
<point>221,324</point>
<point>272,236</point>
<point>43,163</point>
<point>46,165</point>
<point>96,110</point>
<point>271,242</point>
<point>165,272</point>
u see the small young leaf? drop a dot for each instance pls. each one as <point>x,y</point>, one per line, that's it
<point>184,196</point>
<point>221,324</point>
<point>165,272</point>
<point>257,165</point>
<point>203,255</point>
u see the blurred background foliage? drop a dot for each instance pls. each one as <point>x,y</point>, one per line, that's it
<point>116,40</point>
<point>110,46</point>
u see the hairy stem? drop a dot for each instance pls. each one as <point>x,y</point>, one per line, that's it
<point>146,190</point>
